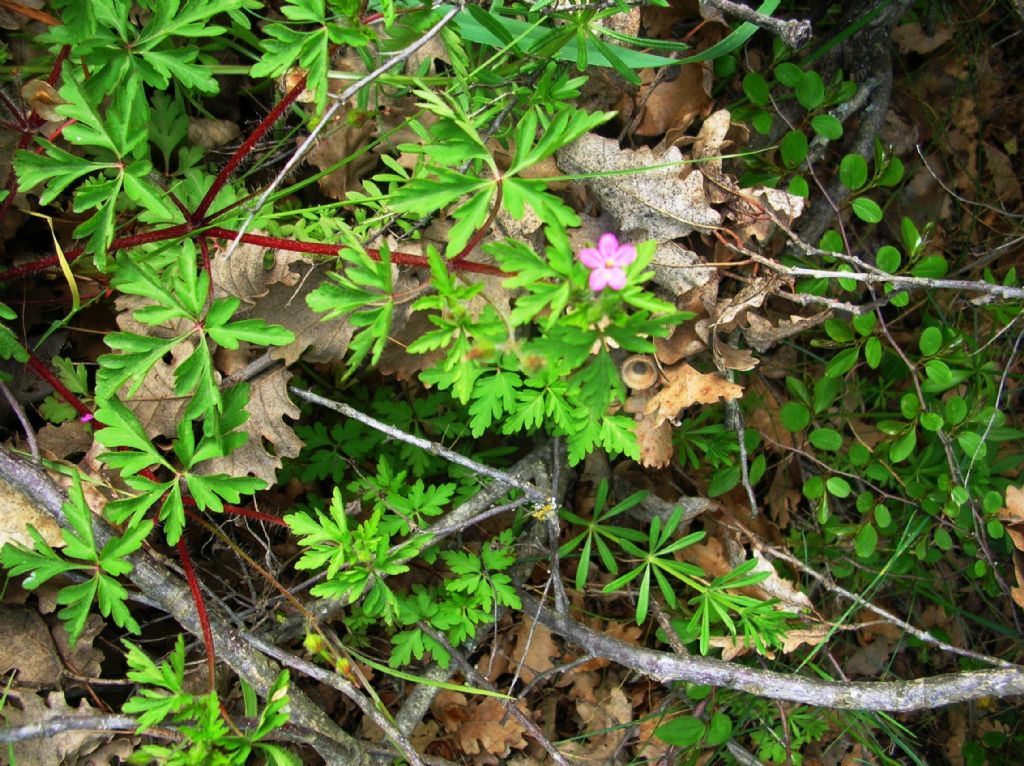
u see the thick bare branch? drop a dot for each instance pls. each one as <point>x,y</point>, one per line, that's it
<point>899,696</point>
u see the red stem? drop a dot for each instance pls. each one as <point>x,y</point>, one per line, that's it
<point>204,619</point>
<point>245,148</point>
<point>44,372</point>
<point>320,248</point>
<point>475,240</point>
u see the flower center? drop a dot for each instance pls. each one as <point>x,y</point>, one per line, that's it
<point>609,263</point>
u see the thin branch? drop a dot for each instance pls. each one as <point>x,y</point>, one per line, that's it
<point>51,727</point>
<point>899,696</point>
<point>433,448</point>
<point>26,426</point>
<point>999,291</point>
<point>829,584</point>
<point>794,32</point>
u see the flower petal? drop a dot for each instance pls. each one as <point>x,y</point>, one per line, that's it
<point>616,278</point>
<point>625,256</point>
<point>608,245</point>
<point>591,258</point>
<point>598,280</point>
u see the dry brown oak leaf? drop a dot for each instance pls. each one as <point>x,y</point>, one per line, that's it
<point>687,386</point>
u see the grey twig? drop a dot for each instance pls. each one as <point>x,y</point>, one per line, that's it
<point>62,723</point>
<point>829,584</point>
<point>451,456</point>
<point>925,693</point>
<point>30,434</point>
<point>794,33</point>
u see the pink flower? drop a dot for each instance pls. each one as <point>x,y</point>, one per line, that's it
<point>607,262</point>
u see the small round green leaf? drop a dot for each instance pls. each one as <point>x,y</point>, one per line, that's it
<point>810,91</point>
<point>853,171</point>
<point>793,148</point>
<point>826,439</point>
<point>866,541</point>
<point>827,126</point>
<point>892,174</point>
<point>867,210</point>
<point>838,486</point>
<point>684,731</point>
<point>901,449</point>
<point>798,187</point>
<point>930,341</point>
<point>756,89</point>
<point>762,122</point>
<point>888,259</point>
<point>842,362</point>
<point>956,410</point>
<point>814,488</point>
<point>873,352</point>
<point>789,74</point>
<point>883,517</point>
<point>931,421</point>
<point>719,730</point>
<point>942,539</point>
<point>832,241</point>
<point>930,267</point>
<point>865,323</point>
<point>795,416</point>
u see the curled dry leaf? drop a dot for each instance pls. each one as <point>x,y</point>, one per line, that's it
<point>535,651</point>
<point>651,202</point>
<point>246,275</point>
<point>672,98</point>
<point>761,334</point>
<point>480,724</point>
<point>24,707</point>
<point>653,437</point>
<point>680,271</point>
<point>602,721</point>
<point>686,386</point>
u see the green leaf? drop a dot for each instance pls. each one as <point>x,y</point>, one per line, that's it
<point>826,439</point>
<point>793,148</point>
<point>866,541</point>
<point>827,126</point>
<point>789,74</point>
<point>682,731</point>
<point>810,91</point>
<point>902,448</point>
<point>888,259</point>
<point>867,210</point>
<point>756,89</point>
<point>873,352</point>
<point>930,341</point>
<point>853,171</point>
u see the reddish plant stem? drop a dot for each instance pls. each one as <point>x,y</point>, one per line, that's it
<point>475,239</point>
<point>197,597</point>
<point>246,147</point>
<point>46,374</point>
<point>320,248</point>
<point>247,512</point>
